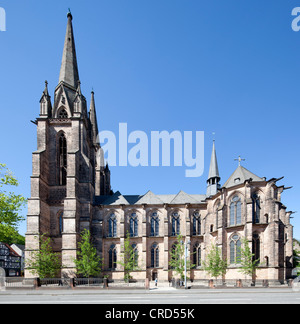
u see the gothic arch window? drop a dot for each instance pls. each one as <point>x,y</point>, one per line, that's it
<point>175,224</point>
<point>196,224</point>
<point>63,114</point>
<point>61,222</point>
<point>154,224</point>
<point>235,211</point>
<point>135,255</point>
<point>256,247</point>
<point>267,261</point>
<point>174,253</point>
<point>267,218</point>
<point>154,256</point>
<point>112,226</point>
<point>217,214</point>
<point>256,208</point>
<point>235,249</point>
<point>133,225</point>
<point>112,257</point>
<point>197,255</point>
<point>62,159</point>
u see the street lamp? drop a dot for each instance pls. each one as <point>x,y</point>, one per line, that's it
<point>185,262</point>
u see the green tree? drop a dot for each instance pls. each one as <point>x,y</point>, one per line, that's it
<point>177,256</point>
<point>296,257</point>
<point>214,263</point>
<point>44,263</point>
<point>88,263</point>
<point>246,259</point>
<point>10,207</point>
<point>129,258</point>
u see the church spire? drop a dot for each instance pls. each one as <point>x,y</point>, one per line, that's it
<point>93,119</point>
<point>69,68</point>
<point>213,175</point>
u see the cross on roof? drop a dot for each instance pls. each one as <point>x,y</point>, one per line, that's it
<point>240,160</point>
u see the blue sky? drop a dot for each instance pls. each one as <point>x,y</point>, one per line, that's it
<point>229,67</point>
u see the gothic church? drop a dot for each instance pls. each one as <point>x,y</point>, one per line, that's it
<point>70,191</point>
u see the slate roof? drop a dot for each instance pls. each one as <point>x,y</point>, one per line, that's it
<point>239,176</point>
<point>150,199</point>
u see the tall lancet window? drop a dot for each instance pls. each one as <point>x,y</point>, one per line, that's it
<point>154,225</point>
<point>235,211</point>
<point>133,222</point>
<point>62,160</point>
<point>175,224</point>
<point>112,226</point>
<point>61,222</point>
<point>196,224</point>
<point>256,209</point>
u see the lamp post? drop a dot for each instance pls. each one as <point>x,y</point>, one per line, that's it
<point>185,262</point>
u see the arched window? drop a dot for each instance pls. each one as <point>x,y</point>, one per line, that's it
<point>235,250</point>
<point>63,114</point>
<point>62,143</point>
<point>196,224</point>
<point>154,222</point>
<point>175,224</point>
<point>133,225</point>
<point>267,261</point>
<point>197,255</point>
<point>235,211</point>
<point>112,257</point>
<point>112,226</point>
<point>154,256</point>
<point>135,256</point>
<point>61,222</point>
<point>256,209</point>
<point>175,254</point>
<point>256,247</point>
<point>217,215</point>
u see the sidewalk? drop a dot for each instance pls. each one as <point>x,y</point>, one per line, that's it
<point>157,290</point>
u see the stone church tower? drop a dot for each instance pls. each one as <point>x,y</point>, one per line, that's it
<point>67,173</point>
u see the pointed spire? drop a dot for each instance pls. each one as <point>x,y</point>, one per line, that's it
<point>93,119</point>
<point>213,168</point>
<point>78,91</point>
<point>46,93</point>
<point>213,174</point>
<point>69,68</point>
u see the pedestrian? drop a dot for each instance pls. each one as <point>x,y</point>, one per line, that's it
<point>156,282</point>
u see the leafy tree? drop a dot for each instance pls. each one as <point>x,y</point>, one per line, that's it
<point>177,258</point>
<point>10,235</point>
<point>129,259</point>
<point>10,207</point>
<point>88,263</point>
<point>214,263</point>
<point>246,259</point>
<point>296,257</point>
<point>44,263</point>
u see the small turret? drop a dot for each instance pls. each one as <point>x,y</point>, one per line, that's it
<point>45,103</point>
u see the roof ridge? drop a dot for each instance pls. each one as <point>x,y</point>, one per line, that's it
<point>181,192</point>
